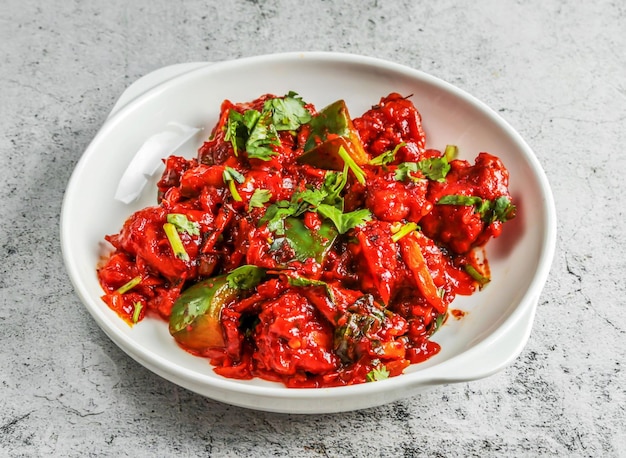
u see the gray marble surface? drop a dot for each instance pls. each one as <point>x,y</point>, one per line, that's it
<point>555,70</point>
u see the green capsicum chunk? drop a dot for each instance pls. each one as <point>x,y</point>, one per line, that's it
<point>307,243</point>
<point>332,129</point>
<point>195,318</point>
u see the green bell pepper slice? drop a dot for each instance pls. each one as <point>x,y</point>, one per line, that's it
<point>332,129</point>
<point>195,318</point>
<point>307,243</point>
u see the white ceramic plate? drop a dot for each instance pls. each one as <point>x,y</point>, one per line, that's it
<point>498,320</point>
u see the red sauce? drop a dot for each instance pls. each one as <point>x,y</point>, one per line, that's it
<point>374,297</point>
<point>458,314</point>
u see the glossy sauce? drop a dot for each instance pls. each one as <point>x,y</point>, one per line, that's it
<point>384,298</point>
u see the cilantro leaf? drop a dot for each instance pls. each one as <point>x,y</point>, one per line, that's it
<point>334,182</point>
<point>309,198</point>
<point>433,168</point>
<point>503,209</point>
<point>259,198</point>
<point>183,224</point>
<point>250,118</point>
<point>289,112</point>
<point>326,201</point>
<point>275,216</point>
<point>236,131</point>
<point>262,137</point>
<point>344,221</point>
<point>378,373</point>
<point>300,202</point>
<point>403,171</point>
<point>239,127</point>
<point>253,132</point>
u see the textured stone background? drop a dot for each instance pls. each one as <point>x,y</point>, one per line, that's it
<point>555,70</point>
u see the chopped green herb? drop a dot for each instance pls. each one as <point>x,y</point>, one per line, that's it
<point>334,182</point>
<point>500,209</point>
<point>239,127</point>
<point>262,138</point>
<point>326,201</point>
<point>137,306</point>
<point>300,202</point>
<point>250,118</point>
<point>434,168</point>
<point>289,112</point>
<point>231,176</point>
<point>256,132</point>
<point>451,152</point>
<point>387,157</point>
<point>308,199</point>
<point>404,170</point>
<point>259,198</point>
<point>175,241</point>
<point>183,224</point>
<point>503,209</point>
<point>476,275</point>
<point>245,277</point>
<point>234,174</point>
<point>378,373</point>
<point>236,132</point>
<point>129,285</point>
<point>344,221</point>
<point>352,165</point>
<point>275,216</point>
<point>406,229</point>
<point>458,199</point>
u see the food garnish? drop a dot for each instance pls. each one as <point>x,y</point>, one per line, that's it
<point>309,247</point>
